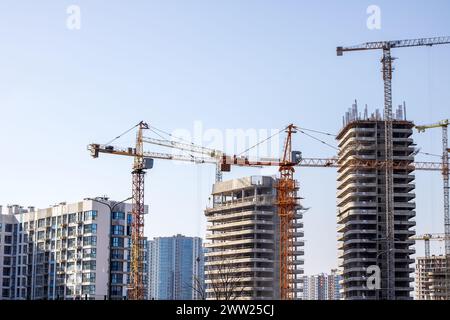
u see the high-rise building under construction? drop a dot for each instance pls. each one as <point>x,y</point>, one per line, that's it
<point>242,254</point>
<point>433,278</point>
<point>361,198</point>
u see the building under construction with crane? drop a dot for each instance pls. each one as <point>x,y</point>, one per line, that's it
<point>375,200</point>
<point>433,278</point>
<point>362,208</point>
<point>243,252</point>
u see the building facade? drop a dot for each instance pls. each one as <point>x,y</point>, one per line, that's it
<point>176,268</point>
<point>361,206</point>
<point>433,278</point>
<point>334,286</point>
<point>242,259</point>
<point>322,286</point>
<point>67,251</point>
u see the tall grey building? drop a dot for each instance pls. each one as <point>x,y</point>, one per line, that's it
<point>243,247</point>
<point>361,205</point>
<point>176,268</point>
<point>67,251</point>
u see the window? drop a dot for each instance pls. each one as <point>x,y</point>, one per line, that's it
<point>6,261</point>
<point>116,266</point>
<point>89,289</point>
<point>89,265</point>
<point>7,249</point>
<point>72,231</point>
<point>71,254</point>
<point>41,223</point>
<point>129,219</point>
<point>90,253</point>
<point>90,215</point>
<point>6,271</point>
<point>72,217</point>
<point>118,215</point>
<point>40,235</point>
<point>5,293</point>
<point>117,242</point>
<point>116,278</point>
<point>71,243</point>
<point>116,291</point>
<point>8,239</point>
<point>90,228</point>
<point>6,282</point>
<point>118,230</point>
<point>117,254</point>
<point>90,241</point>
<point>8,227</point>
<point>88,277</point>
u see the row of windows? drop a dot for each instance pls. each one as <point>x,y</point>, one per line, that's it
<point>53,221</point>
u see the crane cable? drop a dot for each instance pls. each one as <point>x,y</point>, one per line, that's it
<point>124,133</point>
<point>262,141</point>
<point>316,131</point>
<point>317,139</point>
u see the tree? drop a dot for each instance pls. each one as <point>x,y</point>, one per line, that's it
<point>225,279</point>
<point>198,286</point>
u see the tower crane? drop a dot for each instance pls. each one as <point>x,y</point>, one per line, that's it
<point>387,70</point>
<point>142,161</point>
<point>445,175</point>
<point>430,237</point>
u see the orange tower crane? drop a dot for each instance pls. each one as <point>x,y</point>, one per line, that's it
<point>287,202</point>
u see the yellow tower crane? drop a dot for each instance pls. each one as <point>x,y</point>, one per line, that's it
<point>445,175</point>
<point>429,237</point>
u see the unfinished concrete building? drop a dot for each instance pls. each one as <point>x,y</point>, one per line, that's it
<point>433,278</point>
<point>242,255</point>
<point>361,206</point>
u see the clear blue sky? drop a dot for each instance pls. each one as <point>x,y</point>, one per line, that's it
<point>230,64</point>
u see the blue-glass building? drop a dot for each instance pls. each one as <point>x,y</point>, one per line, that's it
<point>175,268</point>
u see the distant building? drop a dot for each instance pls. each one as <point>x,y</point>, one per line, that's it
<point>175,268</point>
<point>433,278</point>
<point>321,286</point>
<point>334,287</point>
<point>64,251</point>
<point>242,261</point>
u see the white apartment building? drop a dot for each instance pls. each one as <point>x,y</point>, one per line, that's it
<point>67,251</point>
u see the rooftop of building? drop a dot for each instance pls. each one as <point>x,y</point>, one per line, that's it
<point>242,183</point>
<point>354,117</point>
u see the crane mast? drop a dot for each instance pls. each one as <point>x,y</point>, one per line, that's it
<point>287,202</point>
<point>387,68</point>
<point>136,290</point>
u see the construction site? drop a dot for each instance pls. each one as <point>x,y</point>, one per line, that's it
<point>375,202</point>
<point>255,227</point>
